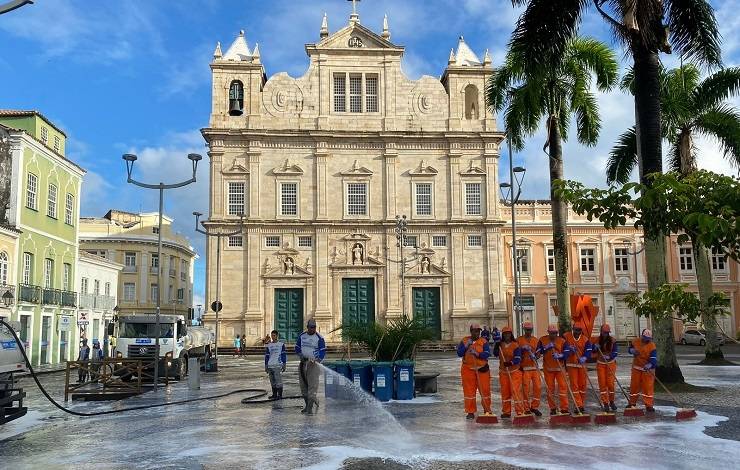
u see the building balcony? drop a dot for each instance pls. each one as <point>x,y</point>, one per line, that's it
<point>68,298</point>
<point>130,269</point>
<point>7,292</point>
<point>29,293</point>
<point>153,270</point>
<point>51,296</point>
<point>93,301</point>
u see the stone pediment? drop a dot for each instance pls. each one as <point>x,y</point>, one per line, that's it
<point>423,170</point>
<point>287,169</point>
<point>356,237</point>
<point>357,170</point>
<point>286,265</point>
<point>425,268</point>
<point>473,170</point>
<point>355,36</point>
<point>238,167</point>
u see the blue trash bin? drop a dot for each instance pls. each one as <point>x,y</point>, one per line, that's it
<point>342,391</point>
<point>362,375</point>
<point>330,389</point>
<point>403,380</point>
<point>383,380</point>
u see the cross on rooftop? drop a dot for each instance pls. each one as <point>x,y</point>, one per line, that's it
<point>354,6</point>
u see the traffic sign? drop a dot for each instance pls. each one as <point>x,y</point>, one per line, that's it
<point>216,306</point>
<point>82,319</point>
<point>65,322</point>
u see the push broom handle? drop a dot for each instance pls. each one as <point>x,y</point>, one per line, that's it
<point>601,353</point>
<point>655,376</point>
<point>567,384</point>
<point>511,385</point>
<point>578,350</point>
<point>542,376</point>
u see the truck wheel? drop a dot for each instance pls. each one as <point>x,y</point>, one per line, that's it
<point>182,368</point>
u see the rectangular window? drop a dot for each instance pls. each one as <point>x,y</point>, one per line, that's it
<point>355,93</point>
<point>129,259</point>
<point>154,289</point>
<point>550,260</point>
<point>424,199</point>
<point>155,260</point>
<point>371,93</point>
<point>107,289</point>
<point>272,241</point>
<point>84,284</point>
<point>357,198</point>
<point>439,241</point>
<point>48,273</point>
<point>170,293</point>
<point>289,198</point>
<point>129,291</point>
<point>67,277</point>
<point>686,258</point>
<point>51,208</point>
<point>57,143</point>
<point>96,287</point>
<point>237,198</point>
<point>588,260</point>
<point>181,294</point>
<point>236,241</point>
<point>305,242</point>
<point>621,260</point>
<point>44,135</point>
<point>719,260</point>
<point>69,209</point>
<point>522,259</point>
<point>473,198</point>
<point>155,230</point>
<point>32,188</point>
<point>475,240</point>
<point>340,93</point>
<point>410,240</point>
<point>27,268</point>
<point>3,268</point>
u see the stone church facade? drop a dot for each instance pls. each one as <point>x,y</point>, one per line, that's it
<point>320,166</point>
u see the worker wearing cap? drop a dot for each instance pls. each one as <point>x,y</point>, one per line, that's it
<point>474,371</point>
<point>509,374</point>
<point>531,383</point>
<point>311,348</point>
<point>605,352</point>
<point>552,349</point>
<point>645,360</point>
<point>578,351</point>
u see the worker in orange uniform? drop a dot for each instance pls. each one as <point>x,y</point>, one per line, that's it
<point>577,353</point>
<point>643,367</point>
<point>531,383</point>
<point>605,352</point>
<point>552,349</point>
<point>476,375</point>
<point>509,374</point>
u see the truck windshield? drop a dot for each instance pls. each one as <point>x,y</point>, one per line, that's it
<point>145,330</point>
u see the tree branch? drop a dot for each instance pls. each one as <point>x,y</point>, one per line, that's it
<point>616,24</point>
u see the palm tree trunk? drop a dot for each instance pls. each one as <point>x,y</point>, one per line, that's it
<point>649,152</point>
<point>559,223</point>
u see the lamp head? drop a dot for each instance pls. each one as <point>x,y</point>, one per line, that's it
<point>504,185</point>
<point>195,158</point>
<point>519,169</point>
<point>129,158</point>
<point>197,214</point>
<point>8,298</point>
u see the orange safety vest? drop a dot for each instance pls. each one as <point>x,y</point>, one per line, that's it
<point>527,362</point>
<point>506,354</point>
<point>549,363</point>
<point>580,344</point>
<point>605,352</point>
<point>644,351</point>
<point>469,360</point>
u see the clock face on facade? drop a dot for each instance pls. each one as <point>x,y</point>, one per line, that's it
<point>354,41</point>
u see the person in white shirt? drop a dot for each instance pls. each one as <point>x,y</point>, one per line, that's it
<point>275,361</point>
<point>311,348</point>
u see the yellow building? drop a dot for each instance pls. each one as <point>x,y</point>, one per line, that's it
<point>131,240</point>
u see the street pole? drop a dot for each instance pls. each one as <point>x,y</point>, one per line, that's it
<point>130,159</point>
<point>634,264</point>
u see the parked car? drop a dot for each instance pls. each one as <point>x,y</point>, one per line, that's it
<point>698,337</point>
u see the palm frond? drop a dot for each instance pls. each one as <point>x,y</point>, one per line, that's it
<point>523,112</point>
<point>693,30</point>
<point>622,158</point>
<point>628,81</point>
<point>596,57</point>
<point>723,124</point>
<point>717,87</point>
<point>588,121</point>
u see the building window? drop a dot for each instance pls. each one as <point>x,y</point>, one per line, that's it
<point>355,93</point>
<point>473,198</point>
<point>181,294</point>
<point>51,208</point>
<point>423,198</point>
<point>155,260</point>
<point>410,240</point>
<point>57,143</point>
<point>237,199</point>
<point>289,198</point>
<point>67,277</point>
<point>129,291</point>
<point>236,241</point>
<point>170,292</point>
<point>371,93</point>
<point>154,289</point>
<point>550,260</point>
<point>32,188</point>
<point>439,241</point>
<point>44,135</point>
<point>96,287</point>
<point>686,258</point>
<point>621,260</point>
<point>305,242</point>
<point>340,93</point>
<point>236,98</point>
<point>129,259</point>
<point>27,268</point>
<point>155,230</point>
<point>84,285</point>
<point>183,267</point>
<point>3,268</point>
<point>719,260</point>
<point>522,260</point>
<point>357,198</point>
<point>69,207</point>
<point>107,289</point>
<point>48,273</point>
<point>588,260</point>
<point>475,240</point>
<point>272,241</point>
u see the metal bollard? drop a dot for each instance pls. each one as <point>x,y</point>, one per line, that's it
<point>193,373</point>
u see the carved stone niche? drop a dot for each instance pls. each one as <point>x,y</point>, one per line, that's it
<point>286,264</point>
<point>426,265</point>
<point>354,250</point>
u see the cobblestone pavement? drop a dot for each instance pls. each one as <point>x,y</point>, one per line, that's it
<point>429,432</point>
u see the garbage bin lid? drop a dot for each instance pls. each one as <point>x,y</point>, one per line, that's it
<point>358,364</point>
<point>405,363</point>
<point>382,364</point>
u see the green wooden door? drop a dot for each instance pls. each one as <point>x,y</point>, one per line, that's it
<point>289,313</point>
<point>427,308</point>
<point>358,301</point>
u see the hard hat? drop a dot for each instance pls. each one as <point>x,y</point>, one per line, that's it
<point>552,328</point>
<point>474,326</point>
<point>506,329</point>
<point>528,325</point>
<point>578,326</point>
<point>647,333</point>
<point>605,328</point>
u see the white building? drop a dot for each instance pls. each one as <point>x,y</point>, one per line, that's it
<point>97,283</point>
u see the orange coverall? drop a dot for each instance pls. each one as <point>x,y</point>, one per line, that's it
<point>606,368</point>
<point>554,371</point>
<point>576,371</point>
<point>643,380</point>
<point>511,381</point>
<point>531,383</point>
<point>474,358</point>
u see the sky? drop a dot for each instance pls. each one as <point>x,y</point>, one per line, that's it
<point>132,76</point>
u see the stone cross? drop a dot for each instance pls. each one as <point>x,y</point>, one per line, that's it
<point>354,6</point>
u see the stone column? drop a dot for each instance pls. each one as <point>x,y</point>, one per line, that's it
<point>392,275</point>
<point>455,202</point>
<point>253,274</point>
<point>391,173</point>
<point>457,265</point>
<point>490,158</point>
<point>253,157</point>
<point>321,155</point>
<point>322,280</point>
<point>216,194</point>
<point>324,92</point>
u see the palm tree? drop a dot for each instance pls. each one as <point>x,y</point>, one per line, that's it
<point>689,107</point>
<point>555,91</point>
<point>645,28</point>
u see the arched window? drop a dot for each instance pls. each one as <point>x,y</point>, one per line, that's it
<point>3,268</point>
<point>471,102</point>
<point>236,98</point>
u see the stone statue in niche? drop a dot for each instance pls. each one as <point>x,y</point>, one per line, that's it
<point>358,254</point>
<point>288,266</point>
<point>443,263</point>
<point>425,265</point>
<point>267,266</point>
<point>308,263</point>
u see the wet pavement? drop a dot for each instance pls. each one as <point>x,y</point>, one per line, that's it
<point>428,432</point>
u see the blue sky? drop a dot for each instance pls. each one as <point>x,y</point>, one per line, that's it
<point>132,76</point>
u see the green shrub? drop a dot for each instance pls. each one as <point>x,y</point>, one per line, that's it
<point>394,341</point>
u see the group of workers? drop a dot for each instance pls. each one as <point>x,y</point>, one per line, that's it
<point>564,359</point>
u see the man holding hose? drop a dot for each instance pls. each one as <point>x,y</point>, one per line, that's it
<point>311,348</point>
<point>476,375</point>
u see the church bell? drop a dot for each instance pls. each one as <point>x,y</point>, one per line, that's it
<point>235,108</point>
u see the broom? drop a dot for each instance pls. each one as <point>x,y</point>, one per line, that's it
<point>518,420</point>
<point>632,412</point>
<point>486,417</point>
<point>683,412</point>
<point>603,417</point>
<point>579,418</point>
<point>554,419</point>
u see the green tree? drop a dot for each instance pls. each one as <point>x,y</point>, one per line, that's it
<point>645,28</point>
<point>555,91</point>
<point>689,107</point>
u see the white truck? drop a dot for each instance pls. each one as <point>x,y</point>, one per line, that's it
<point>11,362</point>
<point>134,336</point>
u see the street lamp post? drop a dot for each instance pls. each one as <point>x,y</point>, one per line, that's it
<point>510,193</point>
<point>401,230</point>
<point>634,264</point>
<point>218,235</point>
<point>130,159</point>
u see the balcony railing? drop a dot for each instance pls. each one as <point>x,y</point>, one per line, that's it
<point>173,272</point>
<point>29,293</point>
<point>4,288</point>
<point>68,298</point>
<point>103,302</point>
<point>129,269</point>
<point>153,269</point>
<point>51,296</point>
